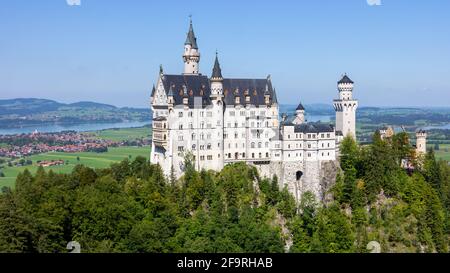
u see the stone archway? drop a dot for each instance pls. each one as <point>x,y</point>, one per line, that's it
<point>298,175</point>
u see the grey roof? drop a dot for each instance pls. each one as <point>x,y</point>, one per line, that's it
<point>192,85</point>
<point>313,127</point>
<point>217,72</point>
<point>345,79</point>
<point>160,118</point>
<point>274,96</point>
<point>300,107</point>
<point>190,39</point>
<point>267,92</point>
<point>199,86</point>
<point>288,120</point>
<point>170,93</point>
<point>255,88</point>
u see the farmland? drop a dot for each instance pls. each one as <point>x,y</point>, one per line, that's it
<point>91,159</point>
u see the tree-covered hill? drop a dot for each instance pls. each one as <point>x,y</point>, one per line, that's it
<point>131,207</point>
<point>32,112</point>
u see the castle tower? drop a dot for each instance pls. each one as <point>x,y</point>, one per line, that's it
<point>216,81</point>
<point>191,55</point>
<point>421,142</point>
<point>345,108</point>
<point>299,114</point>
<point>218,108</point>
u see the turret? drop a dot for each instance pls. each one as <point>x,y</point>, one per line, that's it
<point>170,98</point>
<point>421,142</point>
<point>237,98</point>
<point>191,55</point>
<point>345,108</point>
<point>247,97</point>
<point>185,96</point>
<point>345,87</point>
<point>216,81</point>
<point>299,114</point>
<point>267,95</point>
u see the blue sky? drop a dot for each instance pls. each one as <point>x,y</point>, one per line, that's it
<point>397,53</point>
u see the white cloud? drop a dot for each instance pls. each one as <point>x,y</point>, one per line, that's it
<point>374,2</point>
<point>73,2</point>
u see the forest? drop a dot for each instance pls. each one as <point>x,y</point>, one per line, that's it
<point>131,207</point>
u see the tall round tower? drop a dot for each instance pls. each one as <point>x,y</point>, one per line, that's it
<point>191,55</point>
<point>421,142</point>
<point>345,108</point>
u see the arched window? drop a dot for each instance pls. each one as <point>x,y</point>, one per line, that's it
<point>253,145</point>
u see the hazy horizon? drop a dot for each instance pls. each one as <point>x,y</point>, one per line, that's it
<point>281,104</point>
<point>110,51</point>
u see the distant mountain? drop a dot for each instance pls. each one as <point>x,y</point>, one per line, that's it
<point>32,111</point>
<point>90,104</point>
<point>27,106</point>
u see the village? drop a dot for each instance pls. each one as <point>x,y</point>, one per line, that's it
<point>23,145</point>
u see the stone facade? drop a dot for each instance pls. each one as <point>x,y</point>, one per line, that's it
<point>225,120</point>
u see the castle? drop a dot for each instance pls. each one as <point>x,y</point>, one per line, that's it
<point>224,120</point>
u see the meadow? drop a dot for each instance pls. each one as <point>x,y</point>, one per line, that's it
<point>91,159</point>
<point>443,152</point>
<point>123,133</point>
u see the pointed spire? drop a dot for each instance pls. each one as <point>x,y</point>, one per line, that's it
<point>217,72</point>
<point>345,79</point>
<point>170,94</point>
<point>300,107</point>
<point>161,71</point>
<point>185,92</point>
<point>266,92</point>
<point>190,39</point>
<point>153,90</point>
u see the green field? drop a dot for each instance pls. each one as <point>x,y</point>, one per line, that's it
<point>124,133</point>
<point>90,159</point>
<point>443,152</point>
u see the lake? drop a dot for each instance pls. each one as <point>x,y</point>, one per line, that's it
<point>101,126</point>
<point>73,127</point>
